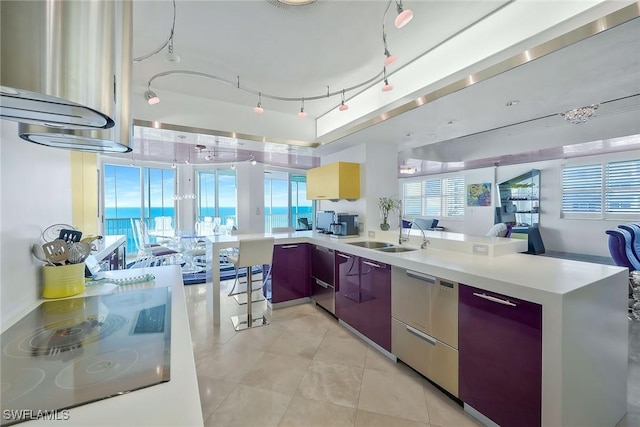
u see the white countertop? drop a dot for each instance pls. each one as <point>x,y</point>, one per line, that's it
<point>174,403</point>
<point>106,245</point>
<point>521,275</point>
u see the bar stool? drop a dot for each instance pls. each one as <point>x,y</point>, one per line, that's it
<point>252,251</point>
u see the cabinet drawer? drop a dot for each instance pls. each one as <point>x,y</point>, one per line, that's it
<point>427,303</point>
<point>433,359</point>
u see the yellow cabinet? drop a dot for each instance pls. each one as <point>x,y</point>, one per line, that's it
<point>340,180</point>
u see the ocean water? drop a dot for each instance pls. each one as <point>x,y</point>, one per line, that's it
<point>127,212</point>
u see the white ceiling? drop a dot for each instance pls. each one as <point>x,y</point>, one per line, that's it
<point>298,51</point>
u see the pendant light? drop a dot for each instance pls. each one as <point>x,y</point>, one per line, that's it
<point>302,113</point>
<point>389,58</point>
<point>258,108</point>
<point>343,106</point>
<point>404,16</point>
<point>387,87</point>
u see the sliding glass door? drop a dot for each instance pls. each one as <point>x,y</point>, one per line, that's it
<point>132,192</point>
<point>285,200</point>
<point>217,196</point>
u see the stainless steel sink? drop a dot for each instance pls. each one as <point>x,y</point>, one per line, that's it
<point>372,245</point>
<point>396,249</point>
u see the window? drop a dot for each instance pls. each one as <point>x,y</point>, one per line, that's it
<point>440,198</point>
<point>217,195</point>
<point>132,192</point>
<point>285,200</point>
<point>597,191</point>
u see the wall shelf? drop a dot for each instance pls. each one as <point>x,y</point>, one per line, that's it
<point>520,207</point>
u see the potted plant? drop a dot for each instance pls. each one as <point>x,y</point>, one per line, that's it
<point>387,205</point>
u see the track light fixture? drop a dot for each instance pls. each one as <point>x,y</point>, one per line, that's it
<point>171,56</point>
<point>387,87</point>
<point>151,97</point>
<point>404,16</point>
<point>302,113</point>
<point>343,106</point>
<point>389,58</point>
<point>258,108</point>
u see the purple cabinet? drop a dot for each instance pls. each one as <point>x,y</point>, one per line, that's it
<point>500,356</point>
<point>374,315</point>
<point>363,297</point>
<point>347,288</point>
<point>290,272</point>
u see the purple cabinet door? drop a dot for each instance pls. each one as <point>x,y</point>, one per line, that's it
<point>500,356</point>
<point>374,313</point>
<point>290,273</point>
<point>347,288</point>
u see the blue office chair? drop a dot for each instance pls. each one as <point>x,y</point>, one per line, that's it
<point>620,249</point>
<point>634,231</point>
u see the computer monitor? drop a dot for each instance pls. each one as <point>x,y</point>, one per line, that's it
<point>324,219</point>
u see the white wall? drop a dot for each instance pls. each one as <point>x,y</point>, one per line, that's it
<point>35,183</point>
<point>558,234</point>
<point>250,192</point>
<point>378,178</point>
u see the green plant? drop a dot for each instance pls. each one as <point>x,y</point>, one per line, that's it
<point>387,205</point>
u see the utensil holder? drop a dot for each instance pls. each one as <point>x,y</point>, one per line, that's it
<point>62,281</point>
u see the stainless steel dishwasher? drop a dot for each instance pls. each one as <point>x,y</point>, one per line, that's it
<point>323,275</point>
<point>424,325</point>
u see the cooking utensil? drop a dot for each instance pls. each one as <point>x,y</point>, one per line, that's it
<point>38,252</point>
<point>56,251</point>
<point>70,235</point>
<point>53,231</point>
<point>78,251</point>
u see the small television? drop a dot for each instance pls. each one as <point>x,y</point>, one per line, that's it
<point>324,219</point>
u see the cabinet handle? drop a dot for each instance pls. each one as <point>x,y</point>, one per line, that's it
<point>288,246</point>
<point>421,276</point>
<point>494,299</point>
<point>421,335</point>
<point>371,264</point>
<point>344,256</point>
<point>323,249</point>
<point>321,283</point>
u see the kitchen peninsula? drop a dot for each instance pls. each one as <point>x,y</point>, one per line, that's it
<point>584,339</point>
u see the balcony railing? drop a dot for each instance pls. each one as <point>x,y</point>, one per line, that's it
<point>122,226</point>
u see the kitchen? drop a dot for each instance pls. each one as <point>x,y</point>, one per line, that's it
<point>50,169</point>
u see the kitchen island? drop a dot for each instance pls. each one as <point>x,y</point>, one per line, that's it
<point>584,339</point>
<point>172,403</point>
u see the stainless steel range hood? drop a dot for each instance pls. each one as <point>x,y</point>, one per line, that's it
<point>65,72</point>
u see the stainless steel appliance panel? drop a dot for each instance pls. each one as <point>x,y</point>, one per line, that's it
<point>323,274</point>
<point>427,303</point>
<point>324,295</point>
<point>430,357</point>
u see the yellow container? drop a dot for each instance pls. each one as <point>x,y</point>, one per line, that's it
<point>63,280</point>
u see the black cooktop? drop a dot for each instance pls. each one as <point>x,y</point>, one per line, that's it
<point>75,351</point>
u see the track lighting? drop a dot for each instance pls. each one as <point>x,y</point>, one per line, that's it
<point>171,56</point>
<point>151,97</point>
<point>389,58</point>
<point>233,165</point>
<point>387,87</point>
<point>174,164</point>
<point>253,162</point>
<point>258,108</point>
<point>343,106</point>
<point>302,113</point>
<point>404,16</point>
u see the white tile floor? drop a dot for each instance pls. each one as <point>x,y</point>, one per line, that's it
<point>304,369</point>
